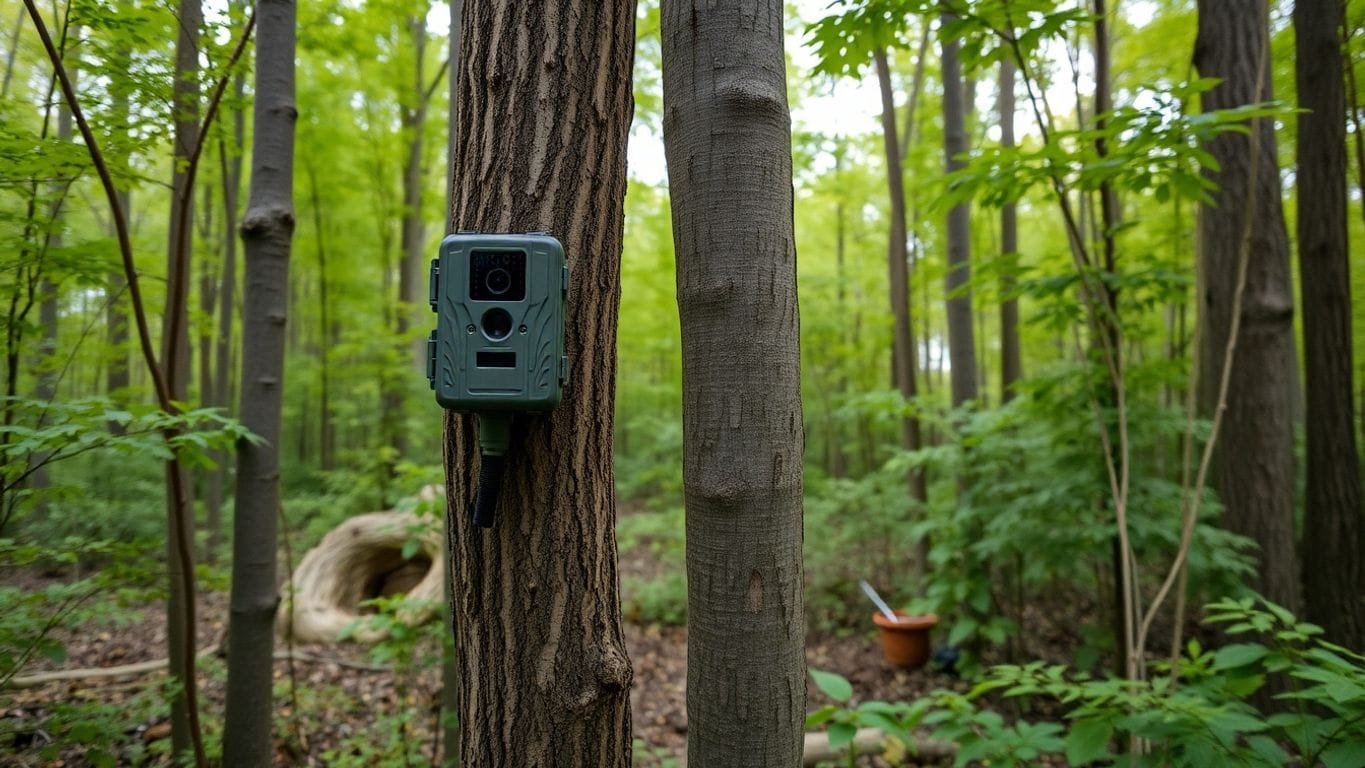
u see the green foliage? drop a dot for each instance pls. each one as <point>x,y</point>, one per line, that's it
<point>1154,145</point>
<point>659,596</point>
<point>44,434</point>
<point>1199,716</point>
<point>34,615</point>
<point>1036,514</point>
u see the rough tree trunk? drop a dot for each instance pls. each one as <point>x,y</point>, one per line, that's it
<point>266,231</point>
<point>727,137</point>
<point>1332,515</point>
<point>544,677</point>
<point>1254,461</point>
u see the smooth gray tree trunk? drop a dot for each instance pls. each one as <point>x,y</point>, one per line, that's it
<point>727,137</point>
<point>961,336</point>
<point>1254,457</point>
<point>544,679</point>
<point>267,228</point>
<point>1332,543</point>
<point>1011,362</point>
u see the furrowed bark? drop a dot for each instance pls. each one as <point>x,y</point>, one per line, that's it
<point>545,106</point>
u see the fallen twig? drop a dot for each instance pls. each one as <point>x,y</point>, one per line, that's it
<point>160,665</point>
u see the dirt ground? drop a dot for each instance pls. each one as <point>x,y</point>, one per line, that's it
<point>342,692</point>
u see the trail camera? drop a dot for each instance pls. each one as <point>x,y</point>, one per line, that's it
<point>499,338</point>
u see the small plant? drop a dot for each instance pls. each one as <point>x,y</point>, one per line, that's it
<point>842,720</point>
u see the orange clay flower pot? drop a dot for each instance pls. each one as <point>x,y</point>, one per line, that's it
<point>905,642</point>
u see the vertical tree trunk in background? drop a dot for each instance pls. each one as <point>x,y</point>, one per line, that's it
<point>961,339</point>
<point>115,305</point>
<point>1011,363</point>
<point>837,460</point>
<point>326,433</point>
<point>47,362</point>
<point>180,631</point>
<point>208,304</point>
<point>266,231</point>
<point>1332,543</point>
<point>544,677</point>
<point>903,336</point>
<point>412,272</point>
<point>1254,460</point>
<point>727,138</point>
<point>450,668</point>
<point>230,168</point>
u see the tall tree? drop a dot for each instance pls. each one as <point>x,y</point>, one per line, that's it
<point>175,363</point>
<point>1332,543</point>
<point>266,231</point>
<point>1011,365</point>
<point>898,260</point>
<point>230,173</point>
<point>727,139</point>
<point>544,676</point>
<point>412,237</point>
<point>961,338</point>
<point>1242,238</point>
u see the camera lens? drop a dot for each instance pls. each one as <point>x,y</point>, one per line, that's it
<point>497,324</point>
<point>498,280</point>
<point>497,275</point>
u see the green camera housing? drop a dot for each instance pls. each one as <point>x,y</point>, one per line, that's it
<point>499,338</point>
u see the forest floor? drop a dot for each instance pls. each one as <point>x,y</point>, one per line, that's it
<point>343,708</point>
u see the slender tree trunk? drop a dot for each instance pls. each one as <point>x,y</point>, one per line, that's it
<point>209,283</point>
<point>412,273</point>
<point>727,137</point>
<point>266,231</point>
<point>1011,364</point>
<point>903,335</point>
<point>47,363</point>
<point>10,54</point>
<point>1254,460</point>
<point>180,633</point>
<point>1332,542</point>
<point>837,464</point>
<point>961,341</point>
<point>326,433</point>
<point>544,677</point>
<point>115,305</point>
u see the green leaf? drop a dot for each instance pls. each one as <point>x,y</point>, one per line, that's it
<point>821,716</point>
<point>832,685</point>
<point>841,735</point>
<point>1238,655</point>
<point>1088,740</point>
<point>1346,754</point>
